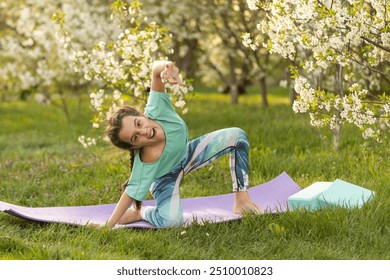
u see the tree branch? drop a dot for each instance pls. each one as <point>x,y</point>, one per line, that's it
<point>375,44</point>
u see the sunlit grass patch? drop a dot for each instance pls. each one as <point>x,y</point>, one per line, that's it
<point>42,164</point>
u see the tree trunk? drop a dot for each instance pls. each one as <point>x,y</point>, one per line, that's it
<point>234,93</point>
<point>336,136</point>
<point>65,107</point>
<point>292,92</point>
<point>186,62</point>
<point>263,90</point>
<point>233,82</point>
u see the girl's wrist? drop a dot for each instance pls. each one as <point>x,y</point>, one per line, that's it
<point>158,67</point>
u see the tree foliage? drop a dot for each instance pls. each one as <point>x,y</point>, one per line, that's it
<point>340,59</point>
<point>120,69</point>
<point>207,42</point>
<point>33,60</point>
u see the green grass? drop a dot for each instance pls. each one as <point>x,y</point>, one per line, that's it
<point>42,164</point>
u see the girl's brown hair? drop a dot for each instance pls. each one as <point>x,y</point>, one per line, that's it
<point>113,129</point>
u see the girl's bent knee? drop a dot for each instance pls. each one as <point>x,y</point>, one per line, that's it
<point>162,220</point>
<point>171,222</point>
<point>239,133</point>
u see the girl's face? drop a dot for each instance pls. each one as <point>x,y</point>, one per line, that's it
<point>140,132</point>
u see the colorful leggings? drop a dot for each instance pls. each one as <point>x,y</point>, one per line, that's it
<point>200,152</point>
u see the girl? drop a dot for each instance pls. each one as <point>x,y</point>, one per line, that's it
<point>161,155</point>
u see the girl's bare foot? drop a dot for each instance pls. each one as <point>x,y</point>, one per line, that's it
<point>171,74</point>
<point>131,215</point>
<point>244,204</point>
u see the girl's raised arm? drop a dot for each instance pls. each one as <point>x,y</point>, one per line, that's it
<point>157,83</point>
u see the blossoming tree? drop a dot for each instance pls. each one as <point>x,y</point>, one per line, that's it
<point>340,59</point>
<point>207,42</point>
<point>33,60</point>
<point>121,68</point>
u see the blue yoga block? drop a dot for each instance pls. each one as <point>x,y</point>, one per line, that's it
<point>308,197</point>
<point>344,194</point>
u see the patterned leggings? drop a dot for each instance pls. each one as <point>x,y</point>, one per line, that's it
<point>200,152</point>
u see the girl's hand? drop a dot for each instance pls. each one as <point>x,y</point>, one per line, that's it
<point>97,226</point>
<point>171,74</point>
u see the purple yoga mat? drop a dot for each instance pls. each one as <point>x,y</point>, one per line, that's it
<point>270,196</point>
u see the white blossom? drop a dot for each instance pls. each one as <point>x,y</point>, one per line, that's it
<point>252,4</point>
<point>122,65</point>
<point>86,141</point>
<point>180,103</point>
<point>321,39</point>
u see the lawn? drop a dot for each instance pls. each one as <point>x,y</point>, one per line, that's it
<point>42,164</point>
